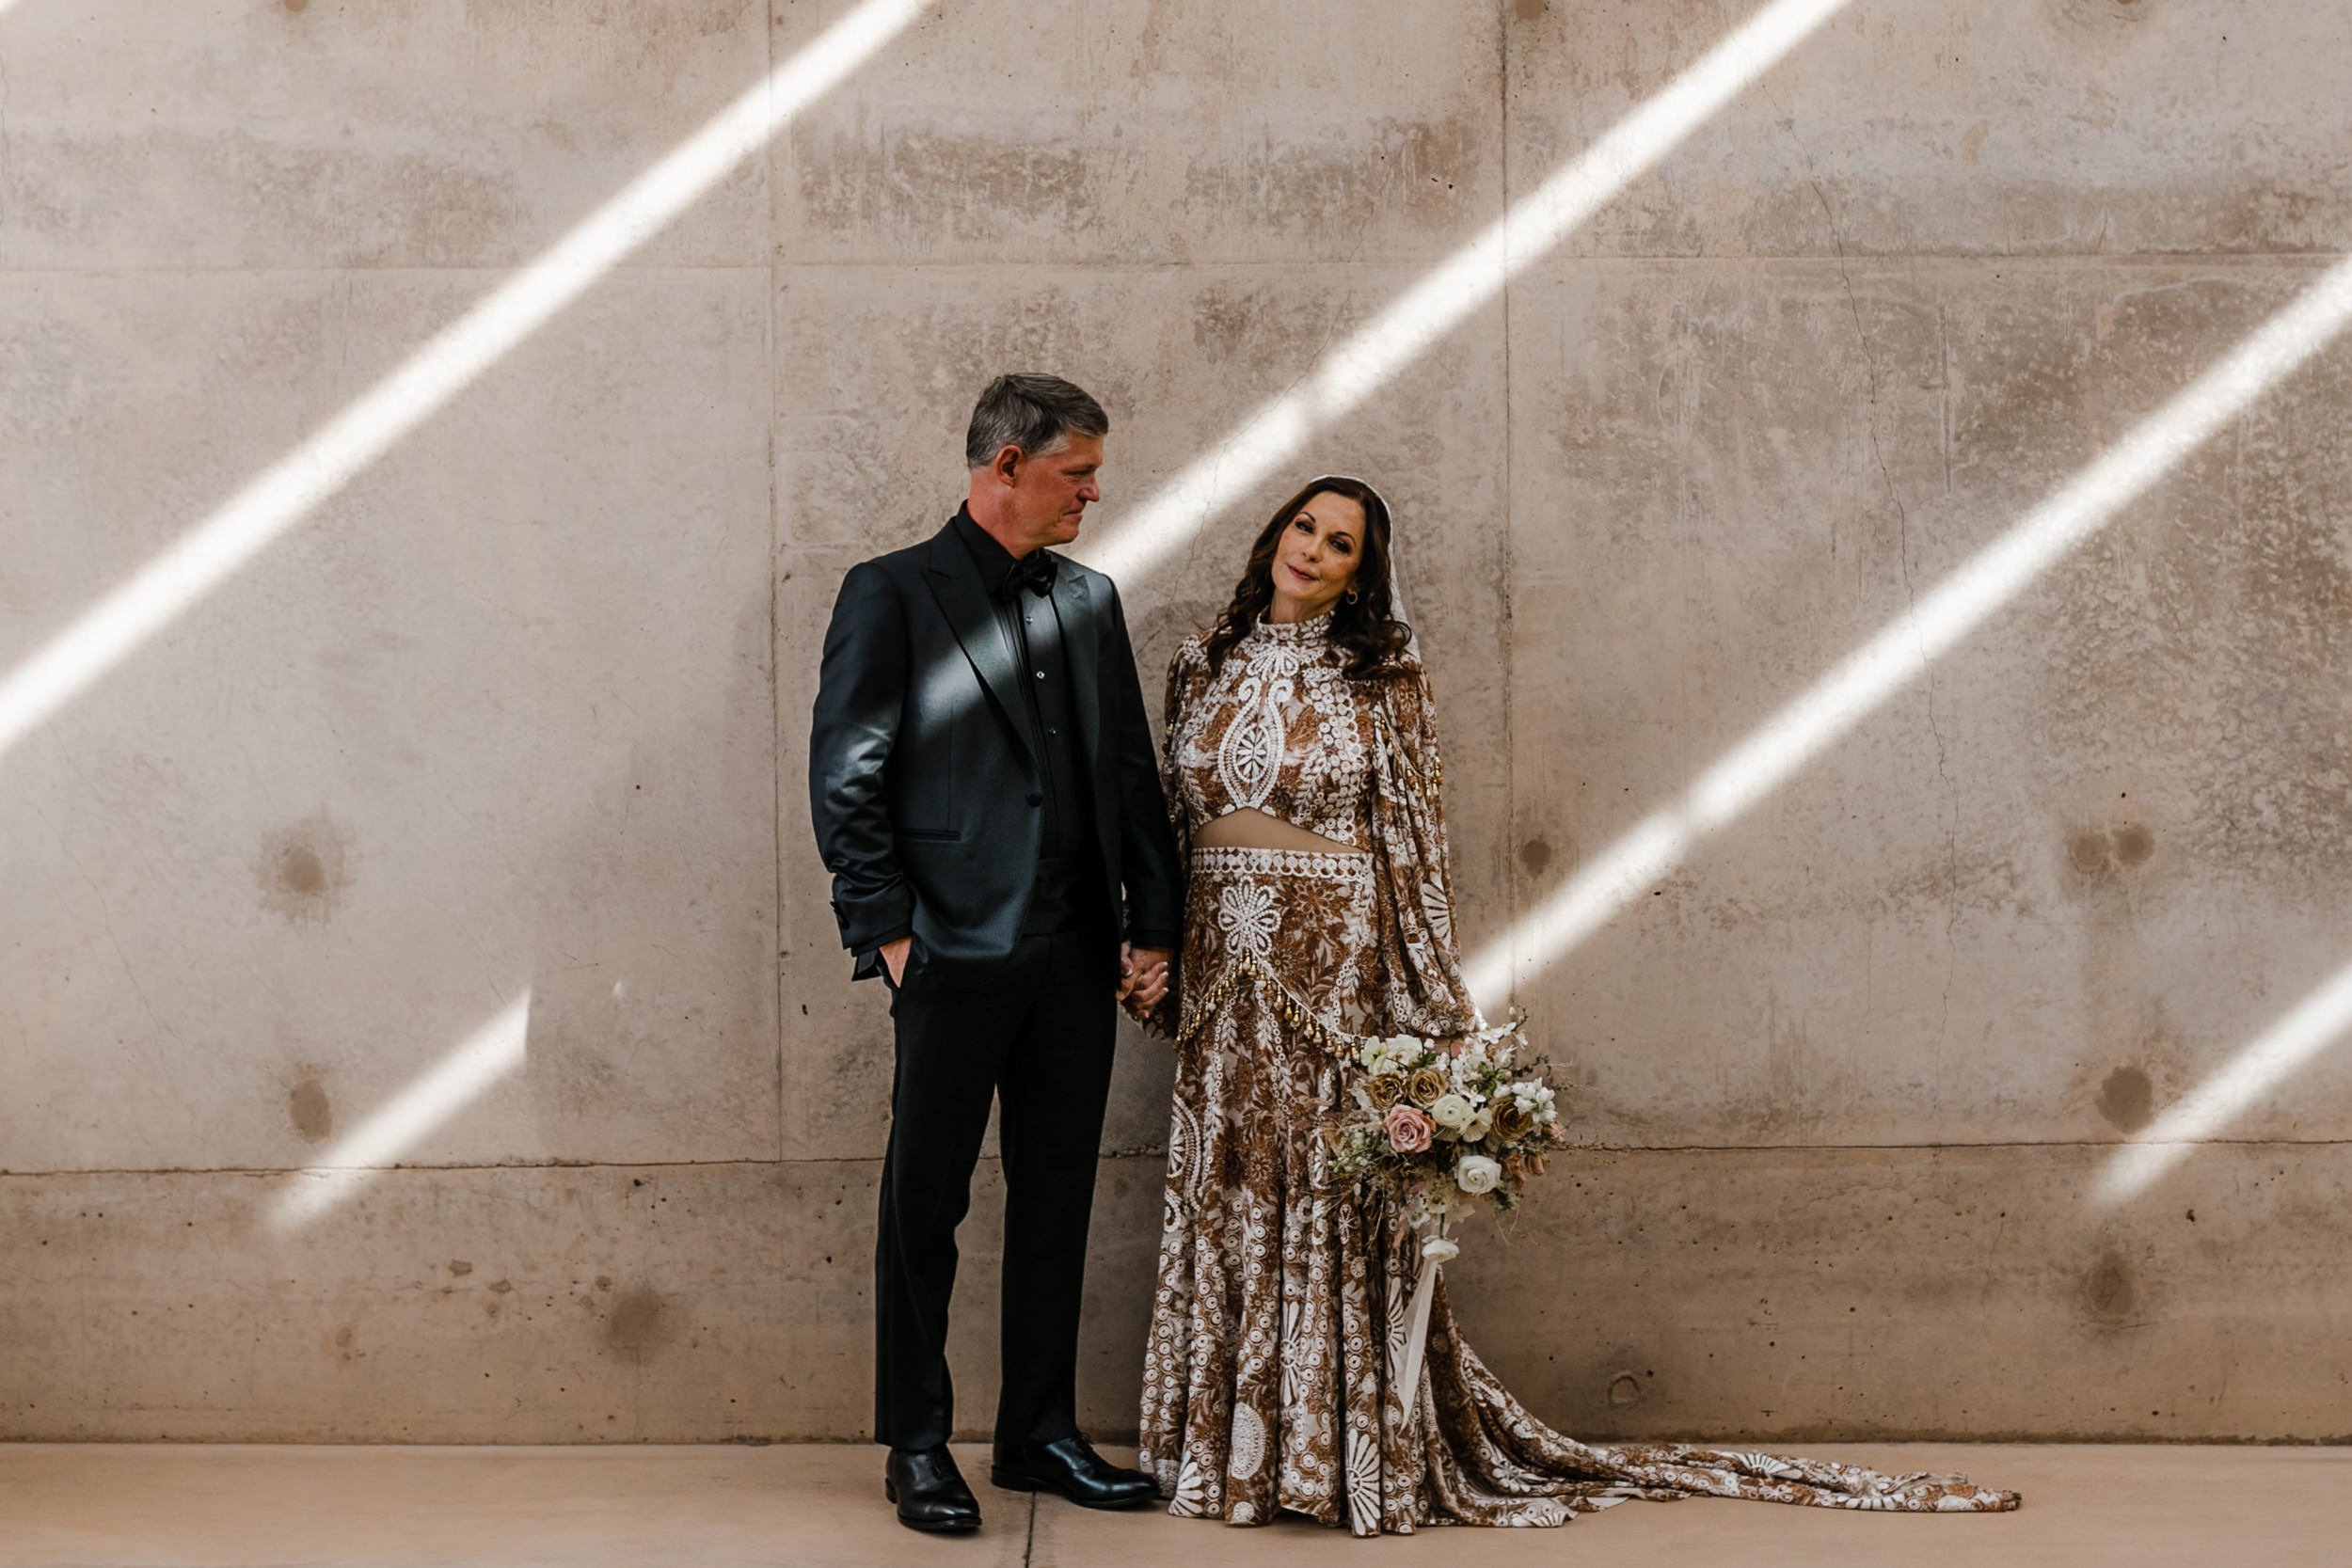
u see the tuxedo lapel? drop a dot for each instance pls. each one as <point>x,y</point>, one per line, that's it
<point>1082,649</point>
<point>955,582</point>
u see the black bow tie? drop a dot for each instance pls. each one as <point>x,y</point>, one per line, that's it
<point>1033,571</point>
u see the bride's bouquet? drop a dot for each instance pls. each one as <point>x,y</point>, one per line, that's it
<point>1438,1130</point>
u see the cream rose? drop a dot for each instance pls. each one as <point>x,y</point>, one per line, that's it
<point>1449,1111</point>
<point>1476,1175</point>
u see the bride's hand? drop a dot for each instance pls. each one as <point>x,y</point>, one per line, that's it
<point>1143,980</point>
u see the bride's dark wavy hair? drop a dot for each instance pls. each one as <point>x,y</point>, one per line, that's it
<point>1368,628</point>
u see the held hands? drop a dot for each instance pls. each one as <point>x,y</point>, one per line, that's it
<point>1142,974</point>
<point>1142,979</point>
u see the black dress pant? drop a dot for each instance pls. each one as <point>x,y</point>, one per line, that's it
<point>1037,1038</point>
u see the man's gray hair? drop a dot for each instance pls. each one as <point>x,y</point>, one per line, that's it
<point>1036,413</point>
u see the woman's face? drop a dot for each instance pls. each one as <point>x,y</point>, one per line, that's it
<point>1315,557</point>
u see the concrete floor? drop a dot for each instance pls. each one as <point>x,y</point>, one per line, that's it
<point>83,1506</point>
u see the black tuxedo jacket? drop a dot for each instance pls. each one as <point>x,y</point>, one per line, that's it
<point>925,782</point>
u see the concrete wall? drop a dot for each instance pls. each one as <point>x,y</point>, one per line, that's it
<point>519,710</point>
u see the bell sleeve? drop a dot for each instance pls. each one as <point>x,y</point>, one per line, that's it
<point>1425,992</point>
<point>1188,679</point>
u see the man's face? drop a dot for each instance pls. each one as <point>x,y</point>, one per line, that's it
<point>1050,493</point>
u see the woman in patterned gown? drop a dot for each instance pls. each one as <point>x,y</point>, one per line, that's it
<point>1302,767</point>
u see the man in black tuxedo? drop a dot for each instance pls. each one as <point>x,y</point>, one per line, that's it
<point>986,795</point>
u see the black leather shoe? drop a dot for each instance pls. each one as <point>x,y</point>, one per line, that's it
<point>1071,1468</point>
<point>930,1491</point>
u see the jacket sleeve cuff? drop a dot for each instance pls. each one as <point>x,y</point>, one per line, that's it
<point>1146,937</point>
<point>872,918</point>
<point>869,957</point>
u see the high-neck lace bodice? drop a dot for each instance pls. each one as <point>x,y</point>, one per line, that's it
<point>1278,729</point>
<point>1317,631</point>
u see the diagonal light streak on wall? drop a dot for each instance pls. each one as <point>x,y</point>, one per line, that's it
<point>2319,1020</point>
<point>215,549</point>
<point>1466,281</point>
<point>1957,605</point>
<point>487,1055</point>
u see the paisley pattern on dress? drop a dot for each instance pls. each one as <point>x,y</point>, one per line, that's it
<point>1282,1297</point>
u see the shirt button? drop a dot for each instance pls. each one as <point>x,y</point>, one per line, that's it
<point>1036,799</point>
<point>1050,731</point>
<point>1040,674</point>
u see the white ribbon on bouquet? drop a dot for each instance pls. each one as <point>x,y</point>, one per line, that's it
<point>1435,1247</point>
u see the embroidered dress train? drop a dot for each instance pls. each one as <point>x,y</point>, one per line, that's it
<point>1282,1298</point>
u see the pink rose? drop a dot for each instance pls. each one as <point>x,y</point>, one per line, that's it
<point>1408,1129</point>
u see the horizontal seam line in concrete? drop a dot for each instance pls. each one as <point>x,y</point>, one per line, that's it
<point>1569,1149</point>
<point>2316,256</point>
<point>339,269</point>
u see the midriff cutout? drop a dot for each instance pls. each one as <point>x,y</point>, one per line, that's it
<point>1257,829</point>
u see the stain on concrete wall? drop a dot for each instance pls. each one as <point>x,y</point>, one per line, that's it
<point>304,869</point>
<point>309,1109</point>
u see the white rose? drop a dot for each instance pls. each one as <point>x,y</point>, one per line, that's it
<point>1439,1249</point>
<point>1477,1175</point>
<point>1451,1111</point>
